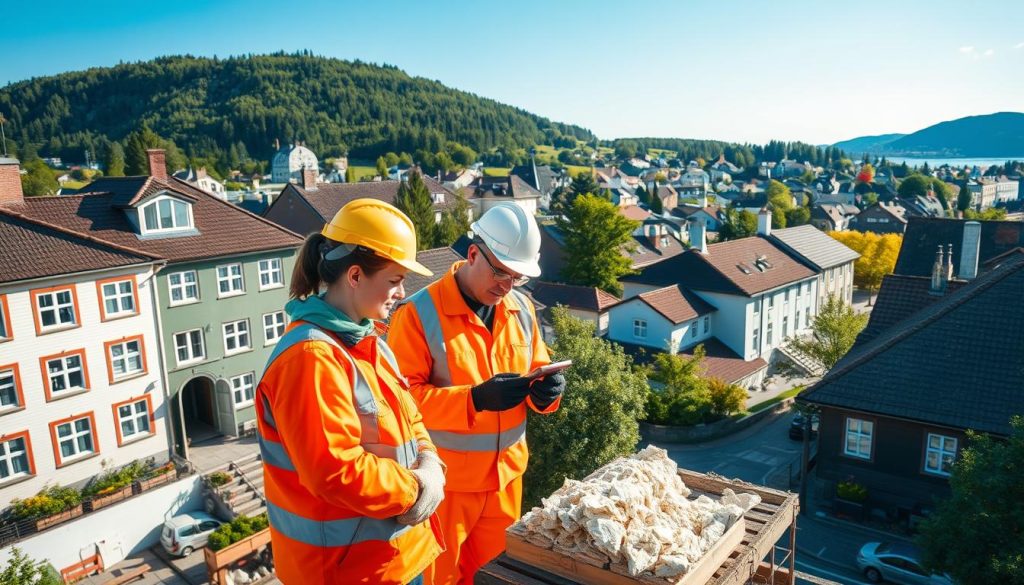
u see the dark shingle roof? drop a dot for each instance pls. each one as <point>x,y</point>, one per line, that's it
<point>728,267</point>
<point>586,298</point>
<point>328,198</point>
<point>34,248</point>
<point>223,229</point>
<point>917,254</point>
<point>815,246</point>
<point>958,363</point>
<point>899,298</point>
<point>438,260</point>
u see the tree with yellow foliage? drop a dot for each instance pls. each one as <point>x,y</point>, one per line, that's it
<point>878,253</point>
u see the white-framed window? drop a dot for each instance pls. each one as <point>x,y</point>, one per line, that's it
<point>785,326</point>
<point>799,289</point>
<point>707,325</point>
<point>859,434</point>
<point>768,335</point>
<point>236,336</point>
<point>126,358</point>
<point>75,439</point>
<point>183,287</point>
<point>639,328</point>
<point>14,459</point>
<point>118,298</point>
<point>166,214</point>
<point>243,389</point>
<point>940,454</point>
<point>693,329</point>
<point>771,301</point>
<point>133,418</point>
<point>229,280</point>
<point>56,308</point>
<point>271,275</point>
<point>273,326</point>
<point>189,346</point>
<point>65,374</point>
<point>5,326</point>
<point>796,322</point>
<point>755,339</point>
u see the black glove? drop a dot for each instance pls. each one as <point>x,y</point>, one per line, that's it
<point>547,389</point>
<point>502,392</point>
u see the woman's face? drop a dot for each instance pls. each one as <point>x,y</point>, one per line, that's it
<point>376,295</point>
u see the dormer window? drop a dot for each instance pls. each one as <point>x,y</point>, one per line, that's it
<point>166,214</point>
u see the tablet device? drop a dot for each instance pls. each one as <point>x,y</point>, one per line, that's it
<point>549,369</point>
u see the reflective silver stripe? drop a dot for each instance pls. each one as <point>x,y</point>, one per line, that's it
<point>440,375</point>
<point>405,454</point>
<point>479,442</point>
<point>525,321</point>
<point>268,415</point>
<point>274,454</point>
<point>325,533</point>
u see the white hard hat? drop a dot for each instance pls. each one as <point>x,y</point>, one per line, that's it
<point>512,236</point>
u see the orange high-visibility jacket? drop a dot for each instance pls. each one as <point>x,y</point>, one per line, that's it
<point>444,350</point>
<point>337,436</point>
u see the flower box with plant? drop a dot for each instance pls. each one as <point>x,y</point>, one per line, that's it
<point>52,505</point>
<point>113,485</point>
<point>850,499</point>
<point>158,476</point>
<point>236,539</point>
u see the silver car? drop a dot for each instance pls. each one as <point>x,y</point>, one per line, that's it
<point>896,562</point>
<point>185,533</point>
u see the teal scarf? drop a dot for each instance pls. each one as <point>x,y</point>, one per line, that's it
<point>318,312</point>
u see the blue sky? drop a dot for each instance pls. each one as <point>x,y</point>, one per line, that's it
<point>817,71</point>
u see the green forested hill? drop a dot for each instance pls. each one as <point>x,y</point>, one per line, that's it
<point>992,135</point>
<point>242,104</point>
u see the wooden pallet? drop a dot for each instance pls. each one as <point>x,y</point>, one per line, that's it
<point>764,525</point>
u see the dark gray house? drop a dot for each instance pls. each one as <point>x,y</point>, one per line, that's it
<point>940,356</point>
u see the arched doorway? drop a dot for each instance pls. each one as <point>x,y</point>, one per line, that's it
<point>197,413</point>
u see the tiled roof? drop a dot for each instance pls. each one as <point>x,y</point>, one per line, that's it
<point>33,248</point>
<point>634,212</point>
<point>818,248</point>
<point>917,254</point>
<point>223,229</point>
<point>719,361</point>
<point>438,260</point>
<point>586,298</point>
<point>646,253</point>
<point>957,363</point>
<point>899,298</point>
<point>728,267</point>
<point>676,303</point>
<point>328,198</point>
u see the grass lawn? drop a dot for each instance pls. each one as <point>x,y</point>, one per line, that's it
<point>362,171</point>
<point>496,171</point>
<point>772,401</point>
<point>74,184</point>
<point>575,170</point>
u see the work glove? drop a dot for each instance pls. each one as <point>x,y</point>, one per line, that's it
<point>502,392</point>
<point>429,473</point>
<point>546,390</point>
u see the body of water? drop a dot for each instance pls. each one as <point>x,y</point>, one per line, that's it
<point>953,162</point>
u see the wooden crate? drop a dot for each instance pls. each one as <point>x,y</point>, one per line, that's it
<point>764,525</point>
<point>574,568</point>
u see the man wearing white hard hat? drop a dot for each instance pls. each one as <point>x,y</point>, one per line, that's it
<point>464,344</point>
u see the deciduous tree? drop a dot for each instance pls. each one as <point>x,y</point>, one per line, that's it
<point>597,419</point>
<point>595,236</point>
<point>977,534</point>
<point>833,331</point>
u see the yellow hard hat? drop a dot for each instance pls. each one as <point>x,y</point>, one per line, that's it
<point>379,226</point>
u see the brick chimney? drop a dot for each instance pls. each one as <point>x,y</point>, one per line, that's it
<point>157,163</point>
<point>309,178</point>
<point>938,284</point>
<point>651,231</point>
<point>10,182</point>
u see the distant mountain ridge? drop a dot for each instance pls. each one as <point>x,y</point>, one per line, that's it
<point>991,135</point>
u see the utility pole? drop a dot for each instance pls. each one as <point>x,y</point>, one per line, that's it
<point>3,137</point>
<point>805,458</point>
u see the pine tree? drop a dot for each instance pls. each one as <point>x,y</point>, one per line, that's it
<point>114,163</point>
<point>414,200</point>
<point>382,167</point>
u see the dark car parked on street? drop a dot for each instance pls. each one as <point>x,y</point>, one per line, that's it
<point>796,427</point>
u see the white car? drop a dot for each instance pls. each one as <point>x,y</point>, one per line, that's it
<point>185,533</point>
<point>896,562</point>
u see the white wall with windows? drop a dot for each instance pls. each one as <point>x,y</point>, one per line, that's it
<point>637,323</point>
<point>80,378</point>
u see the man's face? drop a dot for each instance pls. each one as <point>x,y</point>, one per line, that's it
<point>489,280</point>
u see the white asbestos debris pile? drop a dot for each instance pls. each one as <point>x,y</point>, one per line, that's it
<point>634,511</point>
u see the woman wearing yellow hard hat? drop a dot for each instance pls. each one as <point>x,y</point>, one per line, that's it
<point>351,476</point>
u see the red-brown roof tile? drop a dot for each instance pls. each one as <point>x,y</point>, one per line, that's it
<point>676,303</point>
<point>587,298</point>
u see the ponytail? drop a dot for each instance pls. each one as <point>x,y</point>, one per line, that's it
<point>312,270</point>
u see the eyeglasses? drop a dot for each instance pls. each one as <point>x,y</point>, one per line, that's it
<point>501,275</point>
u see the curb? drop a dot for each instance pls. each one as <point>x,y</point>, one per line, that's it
<point>885,535</point>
